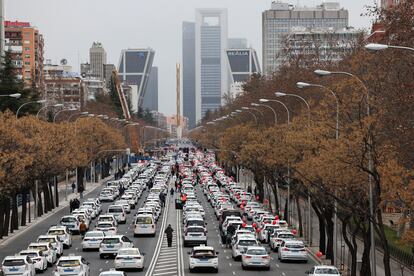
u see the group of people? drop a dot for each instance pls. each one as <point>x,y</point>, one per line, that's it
<point>74,204</point>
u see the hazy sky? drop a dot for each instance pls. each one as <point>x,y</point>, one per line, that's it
<point>70,27</point>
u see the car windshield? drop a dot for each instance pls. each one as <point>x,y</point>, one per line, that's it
<point>68,263</point>
<point>46,240</point>
<point>110,240</point>
<point>56,232</point>
<point>16,262</point>
<point>203,253</point>
<point>286,236</point>
<point>104,225</point>
<point>294,245</point>
<point>196,222</point>
<point>30,254</point>
<point>92,235</point>
<point>143,220</point>
<point>326,270</point>
<point>39,247</point>
<point>129,251</point>
<point>195,229</point>
<point>247,242</point>
<point>68,219</point>
<point>115,210</point>
<point>106,219</point>
<point>256,252</point>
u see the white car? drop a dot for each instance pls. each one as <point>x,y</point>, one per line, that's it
<point>118,212</point>
<point>293,250</point>
<point>106,196</point>
<point>128,258</point>
<point>72,265</point>
<point>323,270</point>
<point>195,235</point>
<point>18,265</point>
<point>266,231</point>
<point>111,244</point>
<point>279,237</point>
<point>72,223</point>
<point>63,234</point>
<point>47,251</point>
<point>256,257</point>
<point>106,218</point>
<point>125,204</point>
<point>241,244</point>
<point>39,261</point>
<point>145,225</point>
<point>130,199</point>
<point>108,227</point>
<point>54,240</point>
<point>92,240</point>
<point>203,257</point>
<point>112,273</point>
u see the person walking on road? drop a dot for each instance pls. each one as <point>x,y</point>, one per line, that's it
<point>172,192</point>
<point>169,232</point>
<point>162,198</point>
<point>73,187</point>
<point>82,228</point>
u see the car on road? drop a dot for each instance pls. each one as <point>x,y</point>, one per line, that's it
<point>129,258</point>
<point>72,223</point>
<point>112,272</point>
<point>72,265</point>
<point>118,212</point>
<point>106,218</point>
<point>111,244</point>
<point>63,234</point>
<point>241,244</point>
<point>108,227</point>
<point>92,240</point>
<point>203,257</point>
<point>54,240</point>
<point>18,265</point>
<point>323,270</point>
<point>145,225</point>
<point>47,251</point>
<point>292,250</point>
<point>256,257</point>
<point>278,238</point>
<point>195,235</point>
<point>107,196</point>
<point>39,261</point>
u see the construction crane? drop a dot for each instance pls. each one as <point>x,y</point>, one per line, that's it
<point>121,95</point>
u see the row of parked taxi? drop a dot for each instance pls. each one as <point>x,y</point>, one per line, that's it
<point>101,229</point>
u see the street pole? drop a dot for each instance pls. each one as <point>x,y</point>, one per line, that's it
<point>66,188</point>
<point>309,221</point>
<point>36,199</point>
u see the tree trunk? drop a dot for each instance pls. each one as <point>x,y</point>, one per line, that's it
<point>2,214</point>
<point>50,189</point>
<point>46,199</point>
<point>384,243</point>
<point>276,196</point>
<point>6,217</point>
<point>56,192</point>
<point>258,178</point>
<point>329,232</point>
<point>24,207</point>
<point>14,224</point>
<point>299,217</point>
<point>365,267</point>
<point>322,233</point>
<point>352,246</point>
<point>40,209</point>
<point>285,211</point>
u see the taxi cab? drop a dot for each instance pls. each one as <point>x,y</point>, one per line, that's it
<point>18,265</point>
<point>63,234</point>
<point>129,258</point>
<point>203,257</point>
<point>72,265</point>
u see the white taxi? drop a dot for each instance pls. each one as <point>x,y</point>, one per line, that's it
<point>107,227</point>
<point>92,240</point>
<point>54,240</point>
<point>129,258</point>
<point>72,265</point>
<point>63,234</point>
<point>18,265</point>
<point>144,225</point>
<point>72,223</point>
<point>47,250</point>
<point>118,212</point>
<point>203,257</point>
<point>111,244</point>
<point>39,261</point>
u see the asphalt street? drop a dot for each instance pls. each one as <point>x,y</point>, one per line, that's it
<point>160,260</point>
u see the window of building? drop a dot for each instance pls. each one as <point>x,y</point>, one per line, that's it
<point>26,48</point>
<point>27,56</point>
<point>27,63</point>
<point>27,42</point>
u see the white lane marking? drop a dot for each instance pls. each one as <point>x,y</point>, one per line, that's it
<point>174,269</point>
<point>284,274</point>
<point>225,251</point>
<point>234,273</point>
<point>106,262</point>
<point>165,273</point>
<point>227,257</point>
<point>167,253</point>
<point>230,264</point>
<point>100,269</point>
<point>277,265</point>
<point>76,249</point>
<point>167,258</point>
<point>272,258</point>
<point>167,265</point>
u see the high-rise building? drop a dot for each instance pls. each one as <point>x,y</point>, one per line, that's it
<point>1,28</point>
<point>25,44</point>
<point>278,22</point>
<point>189,77</point>
<point>134,70</point>
<point>108,69</point>
<point>151,95</point>
<point>237,43</point>
<point>210,59</point>
<point>97,59</point>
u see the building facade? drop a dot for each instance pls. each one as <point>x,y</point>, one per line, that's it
<point>189,77</point>
<point>108,69</point>
<point>237,43</point>
<point>1,28</point>
<point>97,59</point>
<point>134,69</point>
<point>26,45</point>
<point>278,22</point>
<point>150,101</point>
<point>385,4</point>
<point>210,60</point>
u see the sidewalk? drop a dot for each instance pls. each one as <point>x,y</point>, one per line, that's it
<point>63,203</point>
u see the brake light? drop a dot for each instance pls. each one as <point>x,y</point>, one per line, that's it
<point>285,249</point>
<point>266,257</point>
<point>137,258</point>
<point>247,257</point>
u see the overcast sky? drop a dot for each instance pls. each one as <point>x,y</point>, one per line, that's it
<point>70,27</point>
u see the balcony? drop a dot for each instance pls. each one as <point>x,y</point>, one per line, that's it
<point>15,49</point>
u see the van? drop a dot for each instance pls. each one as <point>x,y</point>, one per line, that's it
<point>144,225</point>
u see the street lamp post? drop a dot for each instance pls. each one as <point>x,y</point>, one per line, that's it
<point>281,94</point>
<point>32,102</point>
<point>371,196</point>
<point>14,95</point>
<point>45,107</point>
<point>63,110</point>
<point>380,47</point>
<point>269,107</point>
<point>251,113</point>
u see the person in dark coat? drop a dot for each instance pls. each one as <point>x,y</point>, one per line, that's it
<point>71,205</point>
<point>249,189</point>
<point>172,191</point>
<point>169,232</point>
<point>162,198</point>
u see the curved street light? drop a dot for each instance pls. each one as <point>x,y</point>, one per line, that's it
<point>251,113</point>
<point>79,113</point>
<point>380,47</point>
<point>14,95</point>
<point>63,110</point>
<point>45,107</point>
<point>287,109</point>
<point>269,107</point>
<point>31,102</point>
<point>281,94</point>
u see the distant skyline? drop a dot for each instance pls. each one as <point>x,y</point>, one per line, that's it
<point>70,28</point>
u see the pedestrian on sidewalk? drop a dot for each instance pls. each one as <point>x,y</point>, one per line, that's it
<point>80,190</point>
<point>169,232</point>
<point>162,199</point>
<point>73,187</point>
<point>71,206</point>
<point>172,192</point>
